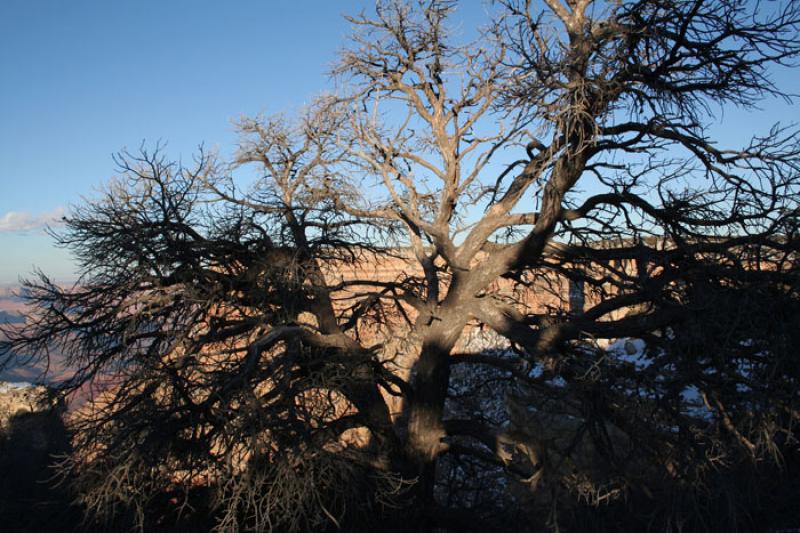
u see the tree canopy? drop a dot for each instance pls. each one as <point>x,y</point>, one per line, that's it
<point>596,302</point>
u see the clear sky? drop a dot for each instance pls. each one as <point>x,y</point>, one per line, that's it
<point>80,80</point>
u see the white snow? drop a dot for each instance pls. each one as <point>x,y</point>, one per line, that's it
<point>629,350</point>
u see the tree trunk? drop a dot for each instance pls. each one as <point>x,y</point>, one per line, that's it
<point>426,408</point>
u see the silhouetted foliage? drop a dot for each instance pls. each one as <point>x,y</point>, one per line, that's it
<point>261,369</point>
<point>29,501</point>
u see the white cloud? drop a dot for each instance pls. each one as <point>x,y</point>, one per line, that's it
<point>22,221</point>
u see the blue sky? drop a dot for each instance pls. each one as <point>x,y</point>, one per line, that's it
<point>80,80</point>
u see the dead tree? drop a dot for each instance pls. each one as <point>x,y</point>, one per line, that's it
<point>566,148</point>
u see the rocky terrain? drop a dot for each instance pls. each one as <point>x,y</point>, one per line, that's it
<point>17,399</point>
<point>19,367</point>
<point>32,436</point>
<point>10,301</point>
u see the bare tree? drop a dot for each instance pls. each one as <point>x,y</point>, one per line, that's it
<point>560,159</point>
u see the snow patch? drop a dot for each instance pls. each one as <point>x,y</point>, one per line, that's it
<point>630,351</point>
